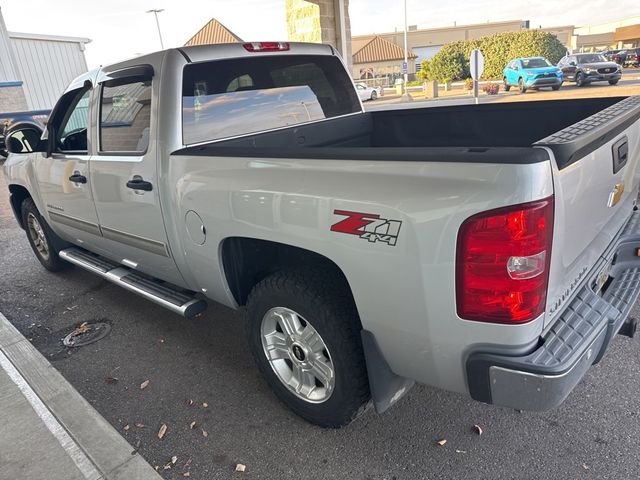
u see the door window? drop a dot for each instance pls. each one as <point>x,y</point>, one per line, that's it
<point>125,115</point>
<point>71,135</point>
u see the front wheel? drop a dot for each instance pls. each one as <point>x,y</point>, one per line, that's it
<point>556,87</point>
<point>374,95</point>
<point>613,82</point>
<point>43,241</point>
<point>579,79</point>
<point>521,86</point>
<point>304,334</point>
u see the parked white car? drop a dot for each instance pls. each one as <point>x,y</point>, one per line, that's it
<point>368,93</point>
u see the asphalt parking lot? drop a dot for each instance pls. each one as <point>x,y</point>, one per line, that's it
<point>200,371</point>
<point>629,85</point>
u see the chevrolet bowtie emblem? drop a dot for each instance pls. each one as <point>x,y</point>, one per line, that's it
<point>616,194</point>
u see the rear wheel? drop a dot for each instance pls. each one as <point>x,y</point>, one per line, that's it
<point>579,79</point>
<point>507,87</point>
<point>41,238</point>
<point>521,86</point>
<point>613,82</point>
<point>304,333</point>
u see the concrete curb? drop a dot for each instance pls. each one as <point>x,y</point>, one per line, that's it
<point>102,452</point>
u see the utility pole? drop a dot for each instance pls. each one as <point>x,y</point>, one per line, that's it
<point>155,13</point>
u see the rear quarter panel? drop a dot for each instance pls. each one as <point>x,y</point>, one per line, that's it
<point>405,293</point>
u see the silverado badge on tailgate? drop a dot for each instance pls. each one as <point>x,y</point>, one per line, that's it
<point>368,226</point>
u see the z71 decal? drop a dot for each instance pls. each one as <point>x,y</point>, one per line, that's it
<point>368,226</point>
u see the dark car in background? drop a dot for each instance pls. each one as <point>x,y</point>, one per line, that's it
<point>633,57</point>
<point>14,120</point>
<point>585,68</point>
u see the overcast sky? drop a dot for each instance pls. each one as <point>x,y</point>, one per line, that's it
<point>120,29</point>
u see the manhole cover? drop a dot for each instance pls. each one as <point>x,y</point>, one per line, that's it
<point>87,333</point>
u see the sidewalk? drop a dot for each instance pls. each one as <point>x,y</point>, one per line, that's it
<point>47,430</point>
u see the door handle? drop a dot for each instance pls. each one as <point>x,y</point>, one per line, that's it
<point>78,178</point>
<point>137,183</point>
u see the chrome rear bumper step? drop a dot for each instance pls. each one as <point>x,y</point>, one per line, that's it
<point>172,298</point>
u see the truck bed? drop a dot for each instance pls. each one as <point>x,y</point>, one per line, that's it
<point>494,133</point>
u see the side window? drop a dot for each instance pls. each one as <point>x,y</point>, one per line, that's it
<point>71,135</point>
<point>125,115</point>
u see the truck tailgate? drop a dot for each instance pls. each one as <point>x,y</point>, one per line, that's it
<point>595,186</point>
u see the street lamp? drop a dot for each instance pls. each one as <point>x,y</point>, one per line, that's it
<point>406,95</point>
<point>406,56</point>
<point>155,13</point>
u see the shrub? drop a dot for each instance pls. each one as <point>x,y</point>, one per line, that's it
<point>423,74</point>
<point>445,66</point>
<point>491,88</point>
<point>468,84</point>
<point>452,61</point>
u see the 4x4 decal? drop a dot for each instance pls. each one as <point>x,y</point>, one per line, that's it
<point>368,226</point>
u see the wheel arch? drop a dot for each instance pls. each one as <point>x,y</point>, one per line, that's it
<point>17,195</point>
<point>246,261</point>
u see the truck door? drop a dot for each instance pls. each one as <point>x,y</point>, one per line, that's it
<point>123,173</point>
<point>63,172</point>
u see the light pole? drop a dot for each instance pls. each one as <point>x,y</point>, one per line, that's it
<point>406,97</point>
<point>155,13</point>
<point>406,56</point>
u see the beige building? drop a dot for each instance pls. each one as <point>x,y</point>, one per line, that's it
<point>624,33</point>
<point>425,43</point>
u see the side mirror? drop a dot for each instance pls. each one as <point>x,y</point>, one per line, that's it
<point>573,64</point>
<point>24,140</point>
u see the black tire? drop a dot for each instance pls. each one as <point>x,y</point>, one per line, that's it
<point>374,95</point>
<point>45,245</point>
<point>613,82</point>
<point>324,302</point>
<point>556,87</point>
<point>507,87</point>
<point>580,79</point>
<point>521,86</point>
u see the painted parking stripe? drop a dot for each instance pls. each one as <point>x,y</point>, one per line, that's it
<point>72,449</point>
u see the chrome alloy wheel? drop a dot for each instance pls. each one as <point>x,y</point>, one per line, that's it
<point>37,235</point>
<point>297,354</point>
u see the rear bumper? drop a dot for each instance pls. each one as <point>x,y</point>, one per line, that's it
<point>543,378</point>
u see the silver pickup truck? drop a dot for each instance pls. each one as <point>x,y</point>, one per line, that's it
<point>461,247</point>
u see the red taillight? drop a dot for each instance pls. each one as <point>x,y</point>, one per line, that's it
<point>266,46</point>
<point>502,263</point>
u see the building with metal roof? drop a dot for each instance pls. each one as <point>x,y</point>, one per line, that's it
<point>380,57</point>
<point>35,69</point>
<point>213,33</point>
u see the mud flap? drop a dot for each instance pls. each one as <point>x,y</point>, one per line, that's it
<point>386,387</point>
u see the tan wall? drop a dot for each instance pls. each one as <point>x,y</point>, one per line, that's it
<point>564,34</point>
<point>317,21</point>
<point>12,99</point>
<point>440,36</point>
<point>384,68</point>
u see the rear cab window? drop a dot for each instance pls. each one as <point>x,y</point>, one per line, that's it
<point>229,98</point>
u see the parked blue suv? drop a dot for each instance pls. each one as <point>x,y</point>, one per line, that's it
<point>533,72</point>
